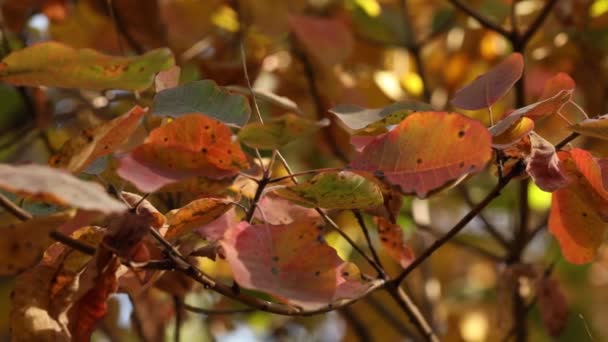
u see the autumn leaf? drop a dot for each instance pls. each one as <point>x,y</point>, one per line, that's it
<point>544,165</point>
<point>56,186</point>
<point>54,64</point>
<point>276,211</point>
<point>263,95</point>
<point>328,40</point>
<point>93,143</point>
<point>427,150</point>
<point>194,215</point>
<point>203,97</point>
<point>214,230</point>
<point>23,244</point>
<point>359,118</point>
<point>334,190</point>
<point>488,88</point>
<point>279,132</point>
<point>391,237</point>
<point>596,128</point>
<point>189,146</point>
<point>167,79</point>
<point>513,134</point>
<point>291,262</point>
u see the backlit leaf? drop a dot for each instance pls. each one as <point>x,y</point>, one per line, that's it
<point>214,230</point>
<point>357,118</point>
<point>203,97</point>
<point>23,244</point>
<point>391,237</point>
<point>56,186</point>
<point>512,135</point>
<point>328,40</point>
<point>189,146</point>
<point>54,64</point>
<point>279,132</point>
<point>195,215</point>
<point>79,152</point>
<point>291,262</point>
<point>427,150</point>
<point>596,128</point>
<point>544,165</point>
<point>488,88</point>
<point>334,190</point>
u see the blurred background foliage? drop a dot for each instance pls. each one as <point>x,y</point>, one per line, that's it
<point>395,50</point>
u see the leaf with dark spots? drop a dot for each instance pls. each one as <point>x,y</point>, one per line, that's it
<point>279,132</point>
<point>56,186</point>
<point>195,214</point>
<point>93,143</point>
<point>359,118</point>
<point>334,190</point>
<point>190,146</point>
<point>203,97</point>
<point>54,64</point>
<point>289,262</point>
<point>23,244</point>
<point>391,237</point>
<point>414,154</point>
<point>488,88</point>
<point>544,165</point>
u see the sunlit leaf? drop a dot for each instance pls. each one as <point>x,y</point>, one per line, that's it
<point>204,97</point>
<point>56,186</point>
<point>355,117</point>
<point>544,165</point>
<point>328,40</point>
<point>291,262</point>
<point>512,135</point>
<point>334,190</point>
<point>276,211</point>
<point>427,150</point>
<point>195,215</point>
<point>93,143</point>
<point>278,132</point>
<point>23,244</point>
<point>596,128</point>
<point>391,237</point>
<point>279,101</point>
<point>54,64</point>
<point>189,146</point>
<point>488,88</point>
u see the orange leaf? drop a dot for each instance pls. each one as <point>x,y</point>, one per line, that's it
<point>391,236</point>
<point>195,215</point>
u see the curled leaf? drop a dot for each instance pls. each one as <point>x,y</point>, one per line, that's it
<point>427,150</point>
<point>334,190</point>
<point>544,165</point>
<point>488,88</point>
<point>512,135</point>
<point>279,132</point>
<point>54,64</point>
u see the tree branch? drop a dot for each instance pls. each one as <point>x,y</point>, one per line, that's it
<point>14,209</point>
<point>411,310</point>
<point>481,19</point>
<point>363,227</point>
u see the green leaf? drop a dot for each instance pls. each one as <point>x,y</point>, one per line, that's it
<point>278,132</point>
<point>204,97</point>
<point>359,118</point>
<point>335,190</point>
<point>53,64</point>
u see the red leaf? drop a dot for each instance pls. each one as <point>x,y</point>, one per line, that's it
<point>291,262</point>
<point>561,81</point>
<point>552,305</point>
<point>488,88</point>
<point>391,236</point>
<point>191,145</point>
<point>56,186</point>
<point>276,211</point>
<point>544,165</point>
<point>427,150</point>
<point>328,40</point>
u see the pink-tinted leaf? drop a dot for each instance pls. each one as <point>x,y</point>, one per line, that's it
<point>561,81</point>
<point>54,64</point>
<point>544,165</point>
<point>360,141</point>
<point>290,262</point>
<point>195,215</point>
<point>214,230</point>
<point>276,211</point>
<point>391,237</point>
<point>488,88</point>
<point>78,153</point>
<point>189,146</point>
<point>427,150</point>
<point>328,40</point>
<point>167,78</point>
<point>334,190</point>
<point>56,186</point>
<point>596,128</point>
<point>552,305</point>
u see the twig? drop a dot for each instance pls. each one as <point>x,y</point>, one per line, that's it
<point>410,309</point>
<point>357,324</point>
<point>370,245</point>
<point>217,311</point>
<point>487,224</point>
<point>75,244</point>
<point>14,209</point>
<point>177,303</point>
<point>481,19</point>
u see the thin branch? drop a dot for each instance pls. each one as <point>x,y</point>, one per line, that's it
<point>487,224</point>
<point>177,303</point>
<point>370,245</point>
<point>210,312</point>
<point>389,317</point>
<point>410,309</point>
<point>566,140</point>
<point>14,209</point>
<point>75,244</point>
<point>540,19</point>
<point>480,18</point>
<point>414,50</point>
<point>463,244</point>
